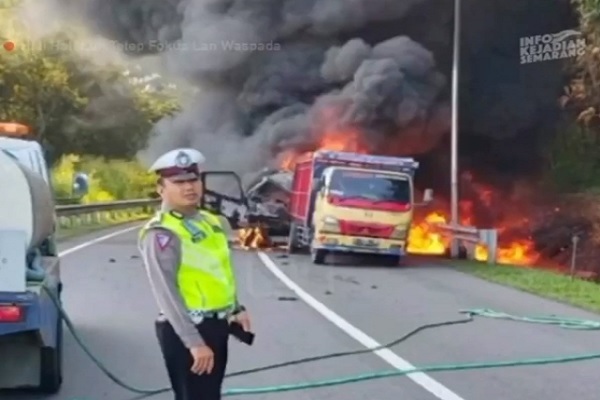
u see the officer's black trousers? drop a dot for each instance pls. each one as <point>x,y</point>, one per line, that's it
<point>187,385</point>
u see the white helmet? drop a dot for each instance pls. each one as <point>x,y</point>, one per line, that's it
<point>178,164</point>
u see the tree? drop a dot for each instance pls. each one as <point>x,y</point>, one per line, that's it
<point>35,88</point>
<point>119,116</point>
<point>73,105</point>
<point>583,94</point>
<point>574,161</point>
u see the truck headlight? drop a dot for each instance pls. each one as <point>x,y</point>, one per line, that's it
<point>330,224</point>
<point>328,219</point>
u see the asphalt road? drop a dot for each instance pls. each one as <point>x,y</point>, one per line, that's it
<point>108,297</point>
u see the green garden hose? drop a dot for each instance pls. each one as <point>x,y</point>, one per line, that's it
<point>567,323</point>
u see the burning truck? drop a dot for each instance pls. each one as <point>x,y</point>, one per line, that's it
<point>268,198</point>
<point>371,77</point>
<point>334,202</point>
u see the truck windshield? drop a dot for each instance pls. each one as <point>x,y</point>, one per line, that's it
<point>370,188</point>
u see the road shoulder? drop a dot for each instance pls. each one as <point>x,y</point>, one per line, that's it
<point>548,284</point>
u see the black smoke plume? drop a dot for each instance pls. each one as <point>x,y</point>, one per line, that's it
<point>270,71</point>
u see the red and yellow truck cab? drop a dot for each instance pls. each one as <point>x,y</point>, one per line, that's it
<point>352,203</point>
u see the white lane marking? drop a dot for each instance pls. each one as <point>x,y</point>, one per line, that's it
<point>420,378</point>
<point>92,242</point>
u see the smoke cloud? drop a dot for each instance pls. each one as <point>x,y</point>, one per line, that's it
<point>276,74</point>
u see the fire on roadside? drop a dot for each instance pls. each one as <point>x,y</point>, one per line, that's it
<point>423,237</point>
<point>423,240</point>
<point>255,237</point>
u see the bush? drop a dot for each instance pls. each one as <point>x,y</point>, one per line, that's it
<point>110,180</point>
<point>574,160</point>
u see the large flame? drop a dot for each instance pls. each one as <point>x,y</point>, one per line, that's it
<point>425,239</point>
<point>336,140</point>
<point>423,236</point>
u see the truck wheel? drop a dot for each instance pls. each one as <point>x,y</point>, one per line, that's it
<point>51,364</point>
<point>292,239</point>
<point>318,256</point>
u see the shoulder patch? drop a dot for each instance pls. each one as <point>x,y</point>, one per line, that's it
<point>162,240</point>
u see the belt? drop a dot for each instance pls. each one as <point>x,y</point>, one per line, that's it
<point>198,316</point>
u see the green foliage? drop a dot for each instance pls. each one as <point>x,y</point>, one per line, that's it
<point>74,105</point>
<point>574,160</point>
<point>590,14</point>
<point>122,179</point>
<point>36,90</point>
<point>109,179</point>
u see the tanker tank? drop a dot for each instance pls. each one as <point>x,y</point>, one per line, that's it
<point>26,202</point>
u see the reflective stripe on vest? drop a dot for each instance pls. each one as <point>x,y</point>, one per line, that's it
<point>205,276</point>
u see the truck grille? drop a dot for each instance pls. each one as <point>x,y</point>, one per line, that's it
<point>366,230</point>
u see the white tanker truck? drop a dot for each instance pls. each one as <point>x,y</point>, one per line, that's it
<point>30,324</point>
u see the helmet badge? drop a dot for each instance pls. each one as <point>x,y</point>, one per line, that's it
<point>183,160</point>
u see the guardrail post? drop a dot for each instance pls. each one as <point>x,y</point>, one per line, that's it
<point>469,247</point>
<point>490,238</point>
<point>574,241</point>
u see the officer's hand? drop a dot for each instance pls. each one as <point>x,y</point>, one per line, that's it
<point>204,360</point>
<point>243,319</point>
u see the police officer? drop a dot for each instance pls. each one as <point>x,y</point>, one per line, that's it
<point>186,255</point>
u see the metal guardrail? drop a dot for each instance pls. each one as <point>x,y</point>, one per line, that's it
<point>79,209</point>
<point>95,213</point>
<point>74,215</point>
<point>471,237</point>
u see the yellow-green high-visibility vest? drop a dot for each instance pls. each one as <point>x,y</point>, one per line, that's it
<point>205,277</point>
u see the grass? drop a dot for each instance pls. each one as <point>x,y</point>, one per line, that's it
<point>544,283</point>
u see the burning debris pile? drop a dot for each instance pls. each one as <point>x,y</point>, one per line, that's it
<point>278,78</point>
<point>254,238</point>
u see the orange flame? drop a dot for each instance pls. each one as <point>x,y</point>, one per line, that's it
<point>423,237</point>
<point>253,238</point>
<point>344,140</point>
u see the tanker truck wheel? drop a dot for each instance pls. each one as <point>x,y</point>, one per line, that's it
<point>51,364</point>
